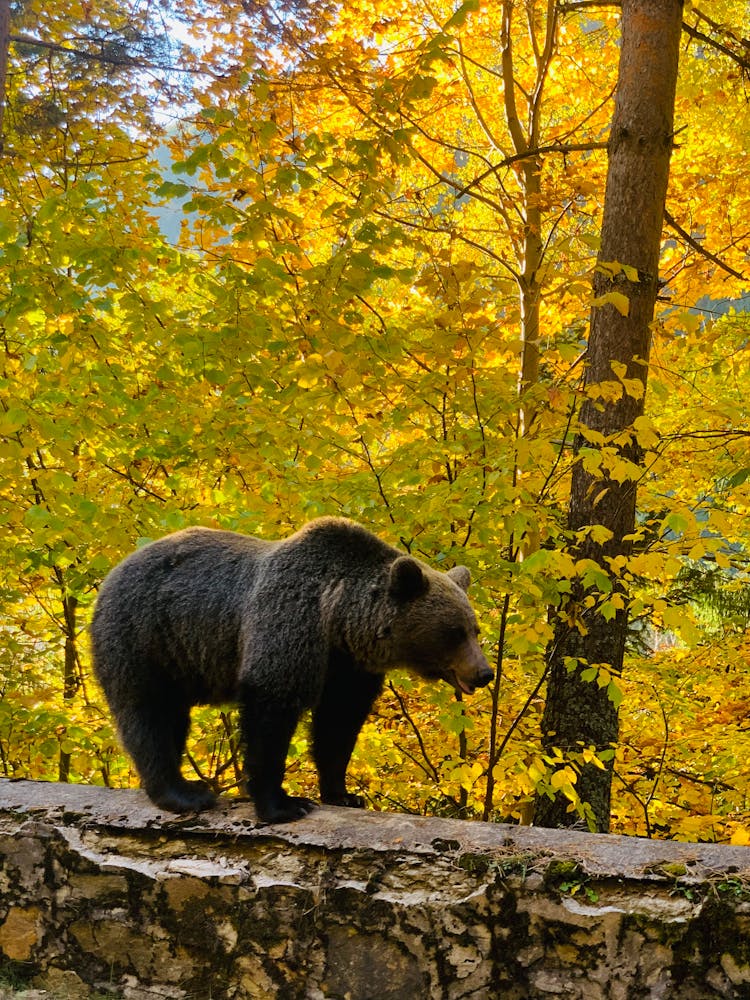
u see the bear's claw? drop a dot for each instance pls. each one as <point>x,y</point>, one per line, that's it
<point>188,796</point>
<point>348,799</point>
<point>289,809</point>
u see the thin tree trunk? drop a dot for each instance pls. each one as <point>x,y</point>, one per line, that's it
<point>525,141</point>
<point>579,713</point>
<point>4,45</point>
<point>70,674</point>
<point>530,289</point>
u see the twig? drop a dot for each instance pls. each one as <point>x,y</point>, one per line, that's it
<point>407,716</point>
<point>700,249</point>
<point>555,147</point>
<point>132,62</point>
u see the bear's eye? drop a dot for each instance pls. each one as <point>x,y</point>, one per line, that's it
<point>455,633</point>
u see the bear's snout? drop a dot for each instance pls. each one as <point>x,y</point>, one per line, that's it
<point>485,676</point>
<point>472,673</point>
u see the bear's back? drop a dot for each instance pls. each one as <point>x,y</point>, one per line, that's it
<point>195,561</point>
<point>178,602</point>
<point>334,547</point>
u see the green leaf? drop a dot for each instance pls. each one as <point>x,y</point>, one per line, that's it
<point>459,18</point>
<point>170,189</point>
<point>738,478</point>
<point>614,693</point>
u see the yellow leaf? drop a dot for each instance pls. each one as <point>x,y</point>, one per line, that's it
<point>617,299</point>
<point>697,551</point>
<point>565,776</point>
<point>634,387</point>
<point>599,533</point>
<point>645,431</point>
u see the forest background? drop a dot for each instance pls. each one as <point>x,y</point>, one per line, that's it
<point>266,261</point>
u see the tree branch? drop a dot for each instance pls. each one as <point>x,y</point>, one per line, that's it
<point>555,147</point>
<point>689,29</point>
<point>132,62</point>
<point>428,767</point>
<point>509,95</point>
<point>700,36</point>
<point>700,249</point>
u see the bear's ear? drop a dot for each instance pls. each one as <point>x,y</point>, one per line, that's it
<point>406,580</point>
<point>460,575</point>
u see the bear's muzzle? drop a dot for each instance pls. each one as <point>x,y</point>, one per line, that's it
<point>471,672</point>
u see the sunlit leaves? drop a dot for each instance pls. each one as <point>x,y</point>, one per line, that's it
<point>330,323</point>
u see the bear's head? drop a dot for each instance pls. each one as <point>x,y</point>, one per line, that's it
<point>431,628</point>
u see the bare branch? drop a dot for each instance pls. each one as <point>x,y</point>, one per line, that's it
<point>566,8</point>
<point>700,249</point>
<point>428,766</point>
<point>714,43</point>
<point>102,57</point>
<point>689,29</point>
<point>555,147</point>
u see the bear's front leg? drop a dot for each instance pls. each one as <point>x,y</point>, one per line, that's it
<point>267,730</point>
<point>345,703</point>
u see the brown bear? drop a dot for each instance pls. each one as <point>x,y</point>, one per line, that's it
<point>310,622</point>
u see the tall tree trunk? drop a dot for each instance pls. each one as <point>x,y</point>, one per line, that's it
<point>578,711</point>
<point>4,46</point>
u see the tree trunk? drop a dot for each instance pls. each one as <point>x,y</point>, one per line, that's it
<point>70,674</point>
<point>4,46</point>
<point>578,712</point>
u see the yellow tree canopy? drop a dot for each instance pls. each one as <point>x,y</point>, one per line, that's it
<point>272,261</point>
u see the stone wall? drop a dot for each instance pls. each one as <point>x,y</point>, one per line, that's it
<point>101,892</point>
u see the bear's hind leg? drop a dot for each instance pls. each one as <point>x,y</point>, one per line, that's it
<point>267,730</point>
<point>348,696</point>
<point>154,734</point>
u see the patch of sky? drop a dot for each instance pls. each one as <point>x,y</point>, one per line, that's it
<point>170,213</point>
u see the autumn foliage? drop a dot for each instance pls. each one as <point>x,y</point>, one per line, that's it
<point>280,260</point>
